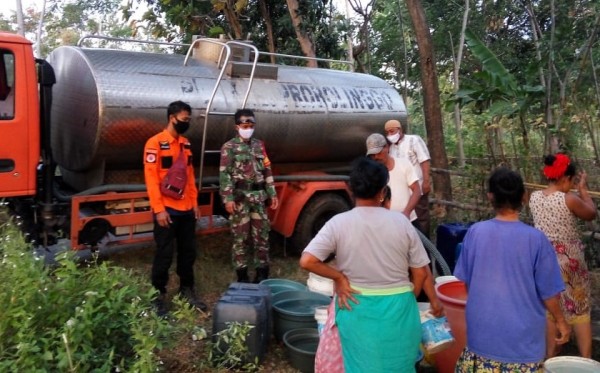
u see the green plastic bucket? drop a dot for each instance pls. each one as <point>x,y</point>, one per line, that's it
<point>571,364</point>
<point>301,348</point>
<point>296,311</point>
<point>295,294</point>
<point>281,284</point>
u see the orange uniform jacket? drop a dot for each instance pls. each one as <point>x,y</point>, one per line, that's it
<point>160,153</point>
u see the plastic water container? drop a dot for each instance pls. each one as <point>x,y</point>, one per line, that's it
<point>453,295</point>
<point>320,284</point>
<point>321,317</point>
<point>571,364</point>
<point>435,334</point>
<point>282,284</point>
<point>244,308</point>
<point>302,346</point>
<point>442,279</point>
<point>449,235</point>
<point>255,290</point>
<point>296,311</point>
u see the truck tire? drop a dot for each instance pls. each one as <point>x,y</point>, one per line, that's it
<point>315,214</point>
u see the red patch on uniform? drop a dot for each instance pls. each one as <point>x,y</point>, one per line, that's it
<point>150,157</point>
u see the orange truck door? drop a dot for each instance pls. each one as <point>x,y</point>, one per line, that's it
<point>19,117</point>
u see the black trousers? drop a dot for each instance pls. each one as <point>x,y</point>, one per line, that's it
<point>181,233</point>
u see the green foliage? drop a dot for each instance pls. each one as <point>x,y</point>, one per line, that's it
<point>74,318</point>
<point>229,350</point>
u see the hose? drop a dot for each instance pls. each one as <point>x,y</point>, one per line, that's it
<point>434,252</point>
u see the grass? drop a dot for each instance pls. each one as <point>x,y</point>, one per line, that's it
<point>214,273</point>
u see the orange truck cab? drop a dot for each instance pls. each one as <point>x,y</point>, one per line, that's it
<point>19,117</point>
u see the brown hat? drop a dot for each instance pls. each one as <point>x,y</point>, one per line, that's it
<point>375,143</point>
<point>392,123</point>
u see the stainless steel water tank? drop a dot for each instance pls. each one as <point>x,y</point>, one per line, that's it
<point>107,103</point>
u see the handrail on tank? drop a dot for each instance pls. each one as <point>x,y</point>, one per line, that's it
<point>112,38</point>
<point>205,40</point>
<point>254,63</point>
<point>212,95</point>
<point>291,56</point>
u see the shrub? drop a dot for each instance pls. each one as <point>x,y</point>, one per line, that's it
<point>229,349</point>
<point>77,318</point>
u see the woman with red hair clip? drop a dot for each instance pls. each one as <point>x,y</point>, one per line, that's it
<point>555,212</point>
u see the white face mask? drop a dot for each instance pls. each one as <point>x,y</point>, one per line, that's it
<point>394,138</point>
<point>246,133</point>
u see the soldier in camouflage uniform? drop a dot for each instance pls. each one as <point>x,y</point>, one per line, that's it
<point>246,186</point>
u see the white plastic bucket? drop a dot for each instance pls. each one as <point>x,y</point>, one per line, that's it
<point>320,284</point>
<point>435,332</point>
<point>571,364</point>
<point>321,317</point>
<point>442,279</point>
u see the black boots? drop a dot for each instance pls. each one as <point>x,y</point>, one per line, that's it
<point>189,295</point>
<point>160,305</point>
<point>262,273</point>
<point>242,274</point>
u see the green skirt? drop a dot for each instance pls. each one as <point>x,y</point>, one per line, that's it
<point>380,334</point>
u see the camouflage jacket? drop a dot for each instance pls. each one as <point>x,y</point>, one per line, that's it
<point>245,171</point>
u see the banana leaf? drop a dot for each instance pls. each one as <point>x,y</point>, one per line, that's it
<point>500,77</point>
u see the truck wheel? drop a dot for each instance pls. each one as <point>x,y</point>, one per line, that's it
<point>314,215</point>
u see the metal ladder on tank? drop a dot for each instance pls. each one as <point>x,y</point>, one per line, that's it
<point>223,63</point>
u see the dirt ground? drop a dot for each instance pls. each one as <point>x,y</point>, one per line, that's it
<point>214,273</point>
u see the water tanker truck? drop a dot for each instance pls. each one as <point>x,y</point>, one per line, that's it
<point>73,128</point>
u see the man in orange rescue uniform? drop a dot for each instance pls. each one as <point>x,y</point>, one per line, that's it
<point>174,218</point>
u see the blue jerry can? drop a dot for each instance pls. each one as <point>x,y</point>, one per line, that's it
<point>449,235</point>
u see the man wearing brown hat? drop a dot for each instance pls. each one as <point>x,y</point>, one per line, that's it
<point>403,183</point>
<point>412,148</point>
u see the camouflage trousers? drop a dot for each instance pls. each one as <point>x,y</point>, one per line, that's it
<point>250,228</point>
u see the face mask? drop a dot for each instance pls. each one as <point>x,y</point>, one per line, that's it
<point>246,133</point>
<point>394,138</point>
<point>181,127</point>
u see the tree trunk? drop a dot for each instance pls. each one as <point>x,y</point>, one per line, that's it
<point>349,37</point>
<point>365,11</point>
<point>404,82</point>
<point>431,101</point>
<point>267,17</point>
<point>586,54</point>
<point>232,19</point>
<point>306,43</point>
<point>551,140</point>
<point>536,33</point>
<point>457,62</point>
<point>526,146</point>
<point>597,90</point>
<point>38,43</point>
<point>20,23</point>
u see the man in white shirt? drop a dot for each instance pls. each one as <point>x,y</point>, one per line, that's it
<point>413,149</point>
<point>403,182</point>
